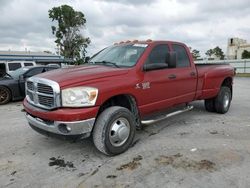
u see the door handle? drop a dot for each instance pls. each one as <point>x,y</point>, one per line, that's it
<point>192,73</point>
<point>172,76</point>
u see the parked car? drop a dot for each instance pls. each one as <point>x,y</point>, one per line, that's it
<point>10,66</point>
<point>12,85</point>
<point>124,86</point>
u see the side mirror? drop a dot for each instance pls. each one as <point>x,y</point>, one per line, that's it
<point>171,59</point>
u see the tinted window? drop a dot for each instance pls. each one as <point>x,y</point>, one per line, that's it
<point>14,66</point>
<point>15,74</point>
<point>28,64</point>
<point>182,57</point>
<point>158,54</point>
<point>34,71</point>
<point>50,68</point>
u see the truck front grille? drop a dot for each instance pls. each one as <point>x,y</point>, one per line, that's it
<point>42,88</point>
<point>43,93</point>
<point>30,86</point>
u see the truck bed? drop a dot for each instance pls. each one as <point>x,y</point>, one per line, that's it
<point>210,77</point>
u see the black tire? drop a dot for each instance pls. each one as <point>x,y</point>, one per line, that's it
<point>5,95</point>
<point>102,133</point>
<point>209,105</point>
<point>223,100</point>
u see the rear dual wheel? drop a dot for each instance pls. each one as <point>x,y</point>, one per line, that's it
<point>5,95</point>
<point>221,102</point>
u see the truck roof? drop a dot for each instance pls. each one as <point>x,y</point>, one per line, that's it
<point>148,41</point>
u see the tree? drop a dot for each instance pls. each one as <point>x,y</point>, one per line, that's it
<point>209,53</point>
<point>217,51</point>
<point>245,55</point>
<point>195,54</point>
<point>71,43</point>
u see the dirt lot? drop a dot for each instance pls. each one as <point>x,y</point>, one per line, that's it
<point>194,149</point>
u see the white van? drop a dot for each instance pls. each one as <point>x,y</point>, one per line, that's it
<point>9,66</point>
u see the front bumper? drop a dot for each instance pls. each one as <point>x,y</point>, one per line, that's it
<point>72,128</point>
<point>66,122</point>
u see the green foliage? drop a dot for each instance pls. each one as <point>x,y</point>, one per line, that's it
<point>209,53</point>
<point>195,54</point>
<point>70,41</point>
<point>217,51</point>
<point>245,55</point>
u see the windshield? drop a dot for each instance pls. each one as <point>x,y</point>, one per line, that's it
<point>15,74</point>
<point>119,56</point>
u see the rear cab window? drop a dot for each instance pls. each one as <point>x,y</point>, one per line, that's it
<point>182,56</point>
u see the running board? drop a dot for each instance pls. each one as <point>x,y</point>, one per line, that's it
<point>187,108</point>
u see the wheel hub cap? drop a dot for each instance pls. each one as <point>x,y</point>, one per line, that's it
<point>119,132</point>
<point>226,100</point>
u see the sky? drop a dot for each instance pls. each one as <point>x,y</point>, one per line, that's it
<point>201,24</point>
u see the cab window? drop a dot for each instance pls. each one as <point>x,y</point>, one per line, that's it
<point>28,64</point>
<point>14,66</point>
<point>158,55</point>
<point>182,56</point>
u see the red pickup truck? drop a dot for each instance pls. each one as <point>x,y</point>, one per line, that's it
<point>122,87</point>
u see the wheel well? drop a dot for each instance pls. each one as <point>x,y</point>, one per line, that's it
<point>228,82</point>
<point>126,101</point>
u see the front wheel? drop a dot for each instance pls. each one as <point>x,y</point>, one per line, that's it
<point>5,95</point>
<point>114,130</point>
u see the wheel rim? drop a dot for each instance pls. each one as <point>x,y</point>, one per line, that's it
<point>119,132</point>
<point>226,100</point>
<point>3,95</point>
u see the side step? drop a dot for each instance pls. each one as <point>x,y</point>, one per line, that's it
<point>187,108</point>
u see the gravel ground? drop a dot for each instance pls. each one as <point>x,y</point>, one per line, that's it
<point>193,149</point>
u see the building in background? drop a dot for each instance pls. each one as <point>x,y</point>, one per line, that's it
<point>41,58</point>
<point>235,48</point>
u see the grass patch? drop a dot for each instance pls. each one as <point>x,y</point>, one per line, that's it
<point>243,74</point>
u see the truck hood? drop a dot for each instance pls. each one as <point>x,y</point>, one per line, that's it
<point>70,76</point>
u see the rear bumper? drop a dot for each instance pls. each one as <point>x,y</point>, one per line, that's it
<point>66,122</point>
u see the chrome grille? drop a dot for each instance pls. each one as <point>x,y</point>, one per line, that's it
<point>30,94</point>
<point>45,100</point>
<point>42,88</point>
<point>43,93</point>
<point>30,86</point>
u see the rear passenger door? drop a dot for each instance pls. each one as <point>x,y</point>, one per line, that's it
<point>185,72</point>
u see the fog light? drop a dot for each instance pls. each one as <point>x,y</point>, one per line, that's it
<point>64,128</point>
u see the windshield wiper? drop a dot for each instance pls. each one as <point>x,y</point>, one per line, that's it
<point>105,62</point>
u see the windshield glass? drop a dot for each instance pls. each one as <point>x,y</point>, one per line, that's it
<point>15,74</point>
<point>119,56</point>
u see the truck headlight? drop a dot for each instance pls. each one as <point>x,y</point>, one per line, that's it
<point>79,96</point>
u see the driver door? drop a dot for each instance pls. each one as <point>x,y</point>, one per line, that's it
<point>162,85</point>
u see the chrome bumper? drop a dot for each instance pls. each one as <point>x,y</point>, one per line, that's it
<point>62,128</point>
